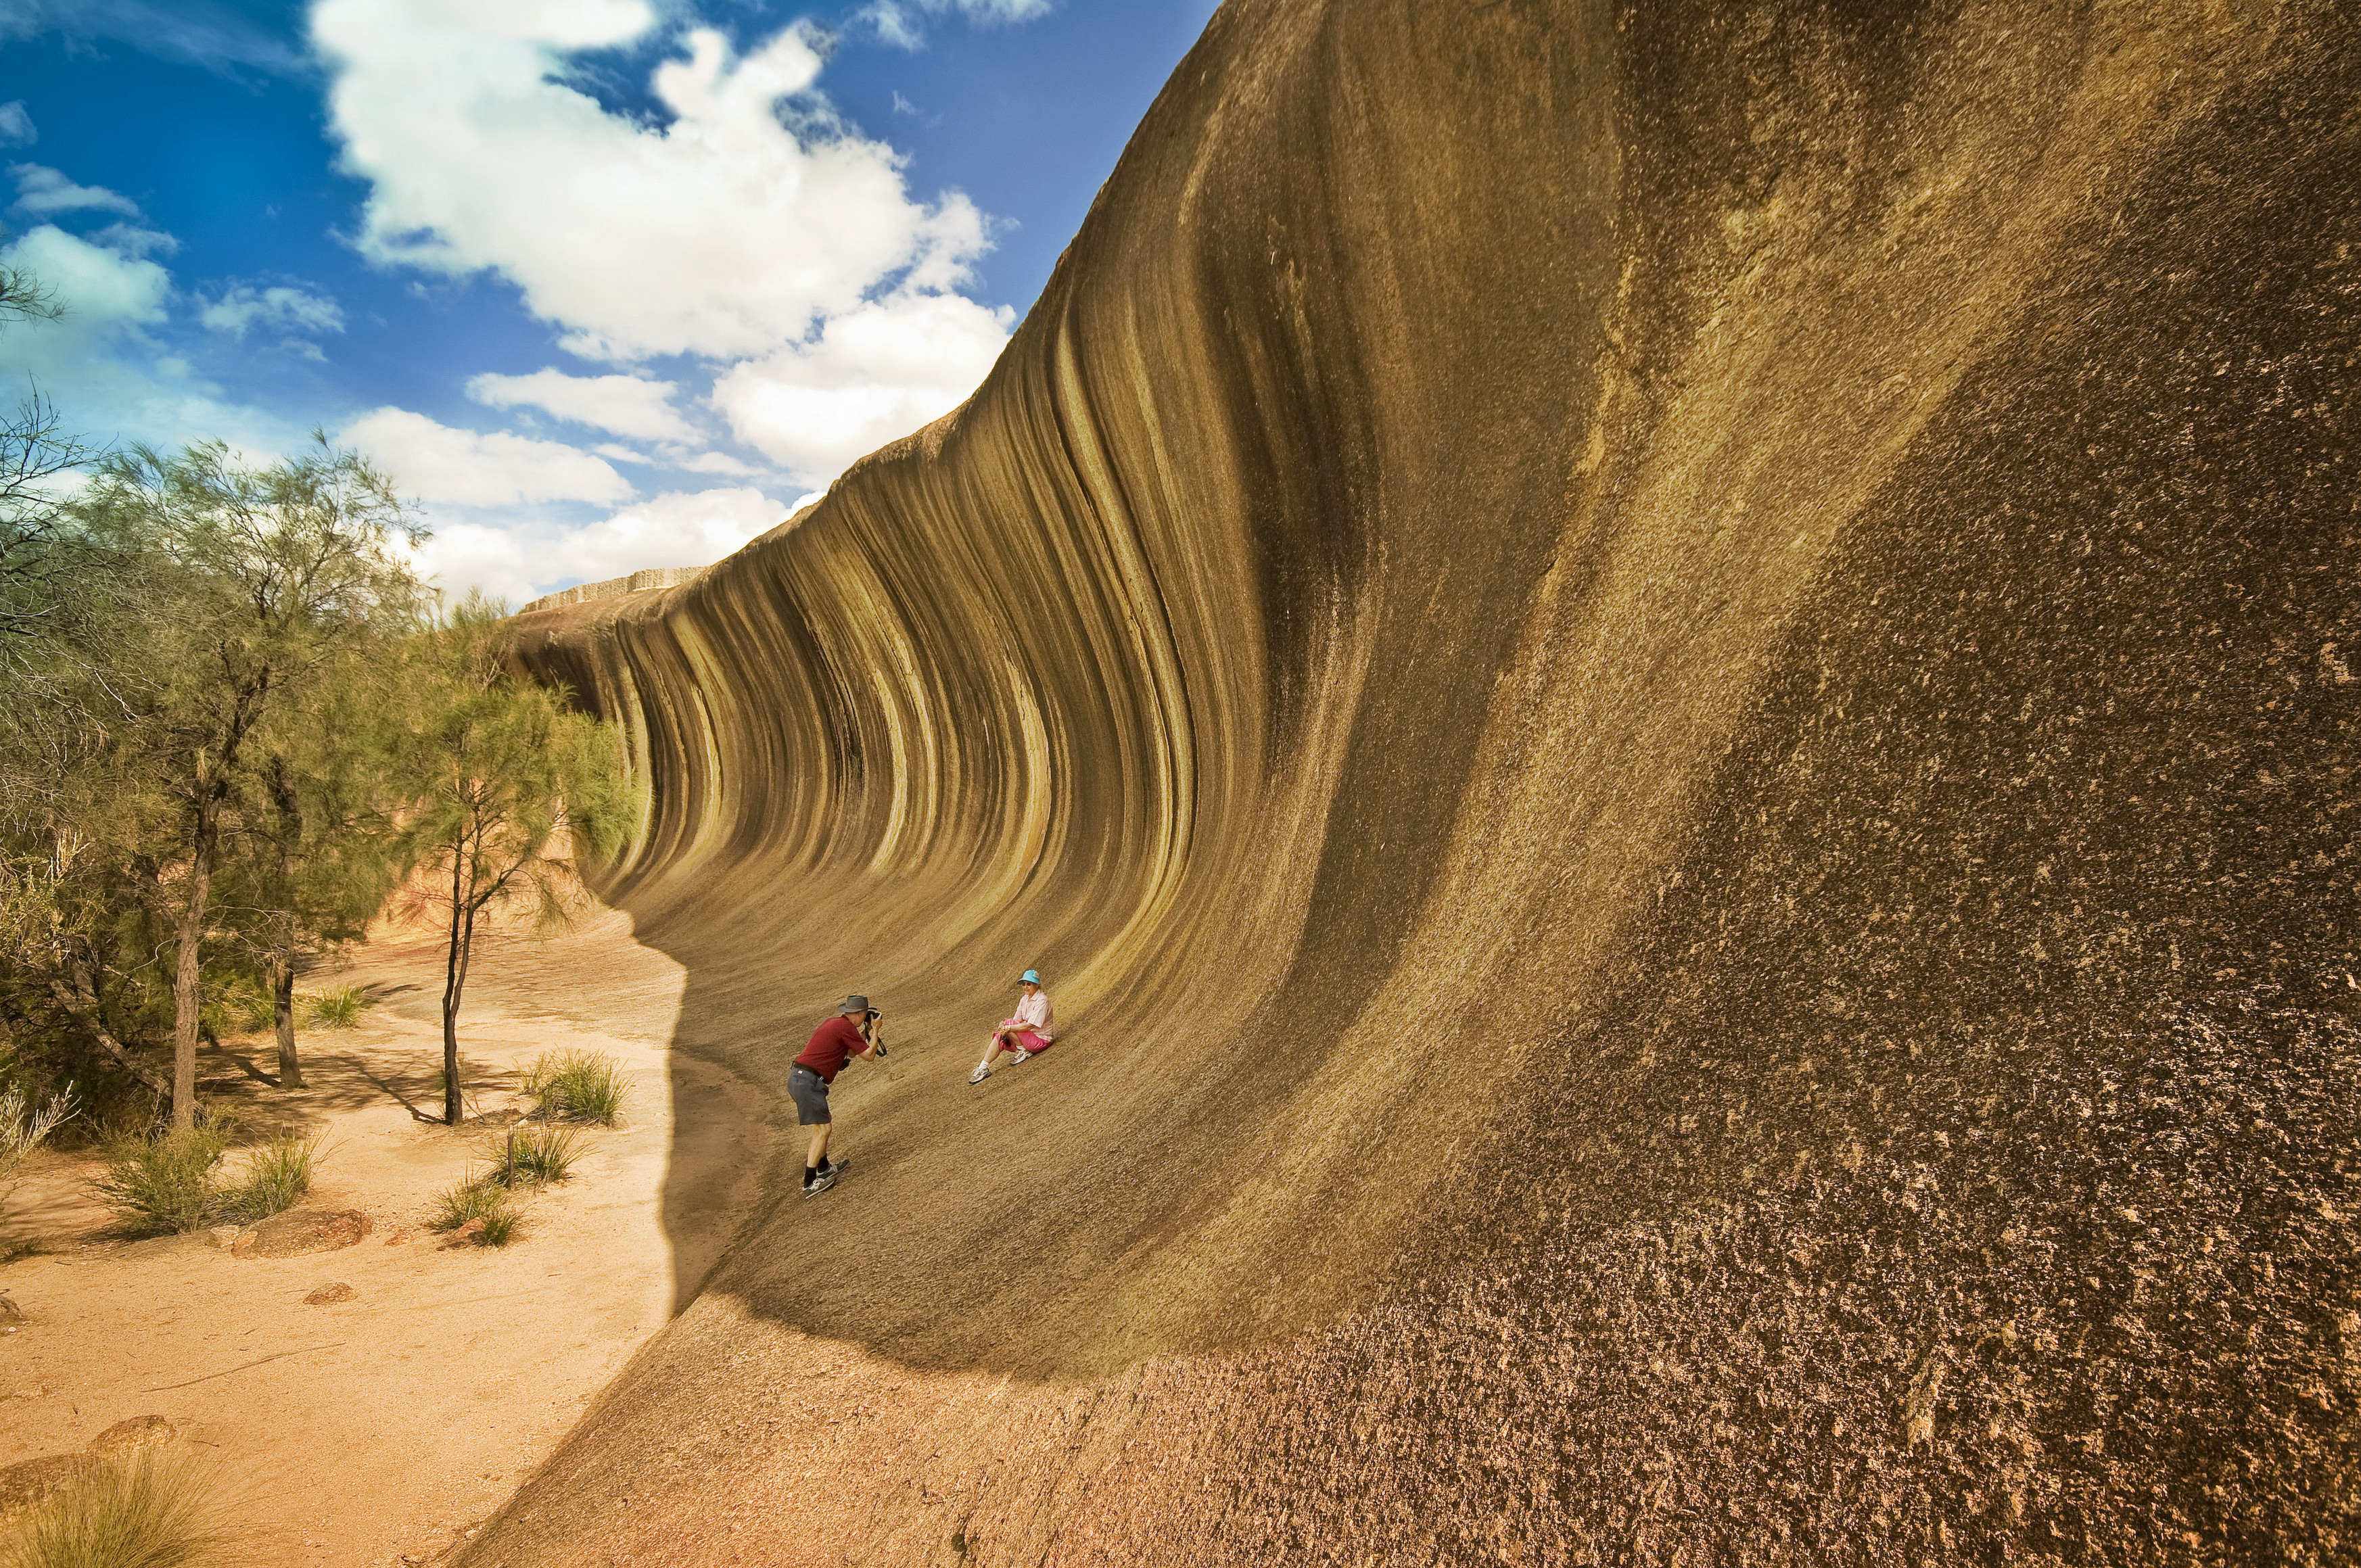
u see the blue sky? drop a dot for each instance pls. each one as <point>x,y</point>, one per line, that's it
<point>602,283</point>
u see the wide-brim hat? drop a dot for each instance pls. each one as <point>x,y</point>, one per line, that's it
<point>853,1004</point>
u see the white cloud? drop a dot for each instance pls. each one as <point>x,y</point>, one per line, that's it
<point>896,22</point>
<point>616,451</point>
<point>131,239</point>
<point>17,126</point>
<point>278,307</point>
<point>463,468</point>
<point>200,32</point>
<point>519,563</point>
<point>99,289</point>
<point>715,462</point>
<point>753,213</point>
<point>41,190</point>
<point>620,405</point>
<point>872,375</point>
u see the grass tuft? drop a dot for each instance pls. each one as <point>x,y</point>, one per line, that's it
<point>337,1009</point>
<point>533,1156</point>
<point>577,1086</point>
<point>165,1183</point>
<point>154,1509</point>
<point>479,1201</point>
<point>276,1179</point>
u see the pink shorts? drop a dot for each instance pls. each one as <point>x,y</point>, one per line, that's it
<point>1033,1044</point>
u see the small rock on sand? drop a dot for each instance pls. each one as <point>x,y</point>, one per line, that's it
<point>329,1295</point>
<point>136,1431</point>
<point>299,1232</point>
<point>24,1484</point>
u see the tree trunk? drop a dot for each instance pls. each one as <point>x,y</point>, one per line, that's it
<point>454,978</point>
<point>283,1013</point>
<point>188,989</point>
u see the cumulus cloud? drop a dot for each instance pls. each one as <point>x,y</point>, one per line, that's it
<point>99,289</point>
<point>676,529</point>
<point>42,191</point>
<point>620,405</point>
<point>871,375</point>
<point>277,307</point>
<point>17,124</point>
<point>754,213</point>
<point>438,464</point>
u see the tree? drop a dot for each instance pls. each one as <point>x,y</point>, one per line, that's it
<point>228,594</point>
<point>516,790</point>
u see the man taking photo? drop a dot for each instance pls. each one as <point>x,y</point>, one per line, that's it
<point>853,1032</point>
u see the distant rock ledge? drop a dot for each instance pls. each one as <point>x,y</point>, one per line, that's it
<point>614,587</point>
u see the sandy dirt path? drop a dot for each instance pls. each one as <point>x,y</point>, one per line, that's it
<point>381,1429</point>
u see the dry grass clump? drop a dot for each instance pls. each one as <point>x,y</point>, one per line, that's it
<point>276,1179</point>
<point>577,1086</point>
<point>171,1182</point>
<point>154,1508</point>
<point>479,1207</point>
<point>532,1157</point>
<point>337,1009</point>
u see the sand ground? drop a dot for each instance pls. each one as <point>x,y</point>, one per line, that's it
<point>383,1429</point>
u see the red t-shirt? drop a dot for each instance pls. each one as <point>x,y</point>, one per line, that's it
<point>830,1044</point>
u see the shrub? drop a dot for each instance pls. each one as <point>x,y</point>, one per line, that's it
<point>476,1198</point>
<point>165,1183</point>
<point>534,1156</point>
<point>577,1086</point>
<point>25,1123</point>
<point>154,1509</point>
<point>241,1007</point>
<point>337,1009</point>
<point>276,1179</point>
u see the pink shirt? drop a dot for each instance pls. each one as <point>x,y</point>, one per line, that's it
<point>1033,1013</point>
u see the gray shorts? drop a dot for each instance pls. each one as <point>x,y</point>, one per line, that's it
<point>810,1096</point>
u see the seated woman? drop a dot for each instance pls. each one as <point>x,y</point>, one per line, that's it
<point>1028,1034</point>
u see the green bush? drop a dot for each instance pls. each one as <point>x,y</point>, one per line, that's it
<point>534,1156</point>
<point>165,1183</point>
<point>337,1009</point>
<point>477,1198</point>
<point>276,1179</point>
<point>577,1086</point>
<point>154,1509</point>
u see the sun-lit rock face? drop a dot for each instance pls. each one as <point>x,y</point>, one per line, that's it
<point>1671,692</point>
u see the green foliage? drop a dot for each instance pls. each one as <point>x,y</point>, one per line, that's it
<point>473,1198</point>
<point>196,760</point>
<point>516,791</point>
<point>577,1086</point>
<point>337,1009</point>
<point>277,1176</point>
<point>499,1228</point>
<point>165,1183</point>
<point>532,1157</point>
<point>156,1508</point>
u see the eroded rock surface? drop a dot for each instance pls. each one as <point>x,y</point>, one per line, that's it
<point>1668,688</point>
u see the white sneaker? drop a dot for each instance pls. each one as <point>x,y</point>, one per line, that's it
<point>1022,1055</point>
<point>979,1074</point>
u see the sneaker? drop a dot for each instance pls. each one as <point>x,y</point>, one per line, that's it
<point>822,1182</point>
<point>1022,1055</point>
<point>979,1074</point>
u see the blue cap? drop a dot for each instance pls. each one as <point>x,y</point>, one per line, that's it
<point>1032,977</point>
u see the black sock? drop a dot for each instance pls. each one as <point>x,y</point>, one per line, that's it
<point>809,1171</point>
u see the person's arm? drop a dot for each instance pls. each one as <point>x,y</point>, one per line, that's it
<point>872,1038</point>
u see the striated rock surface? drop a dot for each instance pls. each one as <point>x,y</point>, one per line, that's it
<point>1670,689</point>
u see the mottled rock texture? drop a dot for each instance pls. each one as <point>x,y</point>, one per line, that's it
<point>1670,689</point>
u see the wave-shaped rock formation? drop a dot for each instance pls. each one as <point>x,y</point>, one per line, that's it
<point>1670,689</point>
